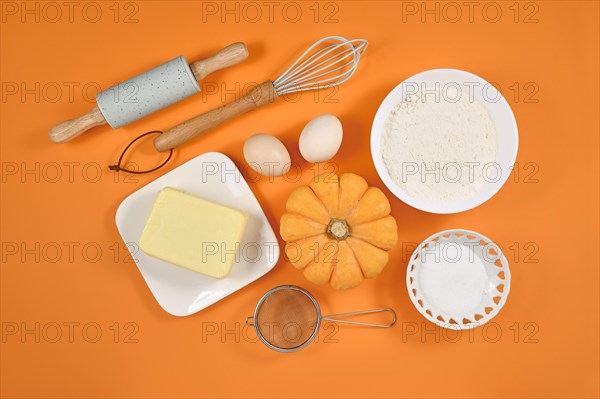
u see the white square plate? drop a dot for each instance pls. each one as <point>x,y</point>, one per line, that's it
<point>182,292</point>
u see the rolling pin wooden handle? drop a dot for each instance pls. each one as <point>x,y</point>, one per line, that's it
<point>230,55</point>
<point>72,128</point>
<point>262,94</point>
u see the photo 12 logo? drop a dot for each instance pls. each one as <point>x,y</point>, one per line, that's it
<point>453,92</point>
<point>270,11</point>
<point>286,333</point>
<point>254,172</point>
<point>230,91</point>
<point>251,252</point>
<point>491,333</point>
<point>52,332</point>
<point>524,252</point>
<point>68,172</point>
<point>66,252</point>
<point>470,11</point>
<point>48,92</point>
<point>52,12</point>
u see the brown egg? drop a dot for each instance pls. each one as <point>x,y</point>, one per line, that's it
<point>267,155</point>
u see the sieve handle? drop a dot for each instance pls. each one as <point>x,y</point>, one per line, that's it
<point>340,318</point>
<point>248,322</point>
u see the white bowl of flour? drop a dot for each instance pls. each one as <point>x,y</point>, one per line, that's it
<point>444,141</point>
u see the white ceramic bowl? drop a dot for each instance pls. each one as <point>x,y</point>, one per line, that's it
<point>507,136</point>
<point>450,287</point>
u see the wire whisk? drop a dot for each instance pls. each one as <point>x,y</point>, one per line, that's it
<point>326,63</point>
<point>335,63</point>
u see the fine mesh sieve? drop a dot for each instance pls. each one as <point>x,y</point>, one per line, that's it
<point>287,318</point>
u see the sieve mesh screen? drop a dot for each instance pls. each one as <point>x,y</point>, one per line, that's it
<point>287,318</point>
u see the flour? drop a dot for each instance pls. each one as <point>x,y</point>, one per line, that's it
<point>440,148</point>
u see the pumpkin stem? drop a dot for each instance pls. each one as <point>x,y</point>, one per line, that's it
<point>338,229</point>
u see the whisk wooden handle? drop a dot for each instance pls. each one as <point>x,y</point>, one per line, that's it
<point>262,94</point>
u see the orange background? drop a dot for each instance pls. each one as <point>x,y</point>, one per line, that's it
<point>545,218</point>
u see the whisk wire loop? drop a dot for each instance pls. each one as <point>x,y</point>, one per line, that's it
<point>315,57</point>
<point>314,72</point>
<point>326,67</point>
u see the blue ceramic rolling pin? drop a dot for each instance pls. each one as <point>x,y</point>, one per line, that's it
<point>148,92</point>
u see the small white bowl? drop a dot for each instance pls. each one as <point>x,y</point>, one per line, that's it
<point>507,137</point>
<point>453,291</point>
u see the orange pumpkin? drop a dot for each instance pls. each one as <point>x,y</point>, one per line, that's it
<point>338,230</point>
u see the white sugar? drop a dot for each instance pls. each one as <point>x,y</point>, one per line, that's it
<point>452,277</point>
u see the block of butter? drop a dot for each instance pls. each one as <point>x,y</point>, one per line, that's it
<point>193,233</point>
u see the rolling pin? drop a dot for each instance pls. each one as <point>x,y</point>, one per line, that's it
<point>148,92</point>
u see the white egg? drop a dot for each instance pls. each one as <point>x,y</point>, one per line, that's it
<point>267,155</point>
<point>321,138</point>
